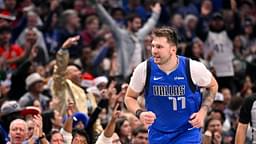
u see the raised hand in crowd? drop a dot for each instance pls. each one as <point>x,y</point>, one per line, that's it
<point>70,108</point>
<point>70,111</point>
<point>112,94</point>
<point>205,8</point>
<point>54,103</point>
<point>54,4</point>
<point>33,53</point>
<point>38,134</point>
<point>156,7</point>
<point>70,41</point>
<point>108,132</point>
<point>233,5</point>
<point>106,136</point>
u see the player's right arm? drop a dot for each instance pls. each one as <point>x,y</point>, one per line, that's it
<point>131,100</point>
<point>146,117</point>
<point>136,86</point>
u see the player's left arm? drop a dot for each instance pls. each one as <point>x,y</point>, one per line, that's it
<point>202,77</point>
<point>209,96</point>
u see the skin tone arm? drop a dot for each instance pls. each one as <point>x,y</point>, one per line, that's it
<point>38,130</point>
<point>70,41</point>
<point>241,133</point>
<point>40,126</point>
<point>197,119</point>
<point>131,100</point>
<point>68,123</point>
<point>110,129</point>
<point>147,118</point>
<point>60,67</point>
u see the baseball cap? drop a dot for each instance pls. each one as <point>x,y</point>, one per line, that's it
<point>9,107</point>
<point>30,110</point>
<point>6,15</point>
<point>79,116</point>
<point>219,97</point>
<point>33,78</point>
<point>248,22</point>
<point>87,80</point>
<point>100,79</point>
<point>217,16</point>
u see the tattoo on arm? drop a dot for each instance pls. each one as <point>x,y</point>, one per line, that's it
<point>208,98</point>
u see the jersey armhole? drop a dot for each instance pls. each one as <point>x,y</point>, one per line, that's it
<point>190,81</point>
<point>147,81</point>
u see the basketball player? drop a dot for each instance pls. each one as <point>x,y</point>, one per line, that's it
<point>175,110</point>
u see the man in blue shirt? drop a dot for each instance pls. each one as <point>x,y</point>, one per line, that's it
<point>175,110</point>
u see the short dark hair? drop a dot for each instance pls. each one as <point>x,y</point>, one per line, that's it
<point>91,18</point>
<point>223,117</point>
<point>130,17</point>
<point>207,122</point>
<point>119,122</point>
<point>138,130</point>
<point>72,63</point>
<point>114,10</point>
<point>51,133</point>
<point>167,32</point>
<point>81,132</point>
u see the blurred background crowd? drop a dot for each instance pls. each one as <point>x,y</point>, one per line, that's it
<point>72,95</point>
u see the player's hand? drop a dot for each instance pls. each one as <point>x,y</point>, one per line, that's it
<point>197,119</point>
<point>147,118</point>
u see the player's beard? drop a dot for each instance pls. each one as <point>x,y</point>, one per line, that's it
<point>161,61</point>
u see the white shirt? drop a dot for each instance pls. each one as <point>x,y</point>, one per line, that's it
<point>200,75</point>
<point>222,48</point>
<point>104,140</point>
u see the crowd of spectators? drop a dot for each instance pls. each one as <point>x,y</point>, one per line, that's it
<point>65,65</point>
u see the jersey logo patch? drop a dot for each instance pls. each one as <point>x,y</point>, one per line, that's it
<point>179,78</point>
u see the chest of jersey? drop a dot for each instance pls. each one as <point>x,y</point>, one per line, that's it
<point>170,95</point>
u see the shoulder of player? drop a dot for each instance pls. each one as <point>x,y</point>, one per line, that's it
<point>195,64</point>
<point>141,67</point>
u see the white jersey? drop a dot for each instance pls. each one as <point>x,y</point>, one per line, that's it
<point>222,48</point>
<point>200,75</point>
<point>137,53</point>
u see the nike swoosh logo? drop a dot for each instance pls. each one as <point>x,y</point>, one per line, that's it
<point>157,78</point>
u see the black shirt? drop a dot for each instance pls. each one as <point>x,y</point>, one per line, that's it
<point>248,108</point>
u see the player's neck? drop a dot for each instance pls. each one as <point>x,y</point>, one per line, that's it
<point>170,65</point>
